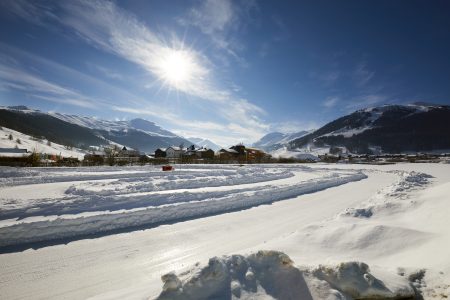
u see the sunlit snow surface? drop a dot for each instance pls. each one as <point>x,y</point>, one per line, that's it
<point>112,232</point>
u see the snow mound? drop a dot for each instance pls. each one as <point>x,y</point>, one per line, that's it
<point>273,275</point>
<point>355,280</point>
<point>392,198</point>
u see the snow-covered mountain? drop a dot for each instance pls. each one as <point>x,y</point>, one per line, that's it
<point>84,131</point>
<point>204,143</point>
<point>276,140</point>
<point>108,125</point>
<point>387,128</point>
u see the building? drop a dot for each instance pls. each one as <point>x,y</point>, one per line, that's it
<point>95,157</point>
<point>256,155</point>
<point>205,153</point>
<point>129,152</point>
<point>174,152</point>
<point>160,153</point>
<point>228,154</point>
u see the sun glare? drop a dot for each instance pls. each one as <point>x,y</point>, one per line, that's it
<point>176,67</point>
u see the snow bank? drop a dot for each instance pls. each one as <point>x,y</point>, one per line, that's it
<point>393,197</point>
<point>272,275</point>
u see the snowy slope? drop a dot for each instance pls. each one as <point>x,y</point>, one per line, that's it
<point>276,140</point>
<point>205,143</point>
<point>31,144</point>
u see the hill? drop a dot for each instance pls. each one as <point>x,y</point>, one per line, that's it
<point>388,129</point>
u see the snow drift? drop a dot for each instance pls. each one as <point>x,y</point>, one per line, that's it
<point>273,275</point>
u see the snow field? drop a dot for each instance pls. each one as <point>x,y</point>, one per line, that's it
<point>395,221</point>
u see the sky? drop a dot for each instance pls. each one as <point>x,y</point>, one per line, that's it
<point>229,71</point>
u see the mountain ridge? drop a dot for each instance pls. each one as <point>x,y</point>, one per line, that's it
<point>389,128</point>
<point>84,131</point>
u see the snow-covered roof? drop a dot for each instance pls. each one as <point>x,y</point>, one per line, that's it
<point>228,150</point>
<point>175,148</point>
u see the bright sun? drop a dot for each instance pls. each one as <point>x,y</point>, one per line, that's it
<point>176,67</point>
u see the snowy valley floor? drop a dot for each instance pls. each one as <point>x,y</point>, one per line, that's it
<point>111,233</point>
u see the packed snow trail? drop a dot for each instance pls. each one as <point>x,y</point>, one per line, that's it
<point>94,214</point>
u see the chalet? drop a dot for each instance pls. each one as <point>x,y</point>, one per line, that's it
<point>129,152</point>
<point>255,154</point>
<point>239,149</point>
<point>205,153</point>
<point>160,152</point>
<point>228,153</point>
<point>174,152</point>
<point>191,151</point>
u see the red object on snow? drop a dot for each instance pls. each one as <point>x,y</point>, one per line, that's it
<point>167,168</point>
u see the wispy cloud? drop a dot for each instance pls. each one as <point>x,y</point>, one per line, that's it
<point>328,78</point>
<point>330,102</point>
<point>220,20</point>
<point>14,78</point>
<point>105,71</point>
<point>362,75</point>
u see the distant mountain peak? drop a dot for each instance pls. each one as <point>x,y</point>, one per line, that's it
<point>202,142</point>
<point>275,140</point>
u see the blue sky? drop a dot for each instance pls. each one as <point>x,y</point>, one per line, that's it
<point>226,70</point>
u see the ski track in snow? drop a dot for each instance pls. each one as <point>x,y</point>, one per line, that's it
<point>101,200</point>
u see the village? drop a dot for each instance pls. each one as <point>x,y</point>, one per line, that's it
<point>116,155</point>
<point>237,154</point>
